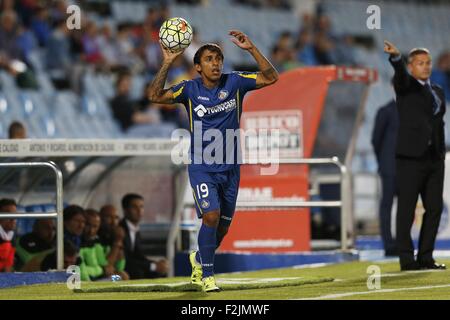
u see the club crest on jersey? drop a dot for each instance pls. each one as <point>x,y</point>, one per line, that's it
<point>223,94</point>
<point>205,204</point>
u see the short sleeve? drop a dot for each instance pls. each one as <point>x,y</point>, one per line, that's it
<point>179,92</point>
<point>246,80</point>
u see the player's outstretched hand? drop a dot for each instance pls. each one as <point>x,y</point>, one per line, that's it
<point>168,55</point>
<point>241,39</point>
<point>390,48</point>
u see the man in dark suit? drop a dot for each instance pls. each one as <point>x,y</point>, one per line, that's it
<point>136,264</point>
<point>420,154</point>
<point>384,137</point>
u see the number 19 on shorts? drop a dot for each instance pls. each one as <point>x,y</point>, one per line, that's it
<point>202,190</point>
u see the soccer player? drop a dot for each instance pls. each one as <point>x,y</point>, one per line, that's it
<point>213,101</point>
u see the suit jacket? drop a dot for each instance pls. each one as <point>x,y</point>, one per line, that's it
<point>418,126</point>
<point>384,138</point>
<point>136,264</point>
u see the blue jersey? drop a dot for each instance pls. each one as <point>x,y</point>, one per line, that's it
<point>219,108</point>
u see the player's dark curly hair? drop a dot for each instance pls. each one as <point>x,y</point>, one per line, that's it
<point>209,46</point>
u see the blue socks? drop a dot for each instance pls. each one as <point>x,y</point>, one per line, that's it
<point>207,248</point>
<point>197,257</point>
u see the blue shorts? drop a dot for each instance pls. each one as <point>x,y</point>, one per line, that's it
<point>215,191</point>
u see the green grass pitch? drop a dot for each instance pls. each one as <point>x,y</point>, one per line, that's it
<point>338,281</point>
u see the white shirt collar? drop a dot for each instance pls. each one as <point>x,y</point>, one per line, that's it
<point>133,231</point>
<point>425,82</point>
<point>6,236</point>
<point>131,226</point>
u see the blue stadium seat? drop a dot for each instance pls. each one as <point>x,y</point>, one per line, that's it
<point>7,82</point>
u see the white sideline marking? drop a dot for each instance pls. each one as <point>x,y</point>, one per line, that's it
<point>220,281</point>
<point>311,265</point>
<point>254,280</point>
<point>349,294</point>
<point>154,284</point>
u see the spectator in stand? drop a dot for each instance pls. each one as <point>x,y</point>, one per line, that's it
<point>8,36</point>
<point>190,51</point>
<point>41,26</point>
<point>277,58</point>
<point>25,9</point>
<point>71,257</point>
<point>127,111</point>
<point>7,227</point>
<point>275,4</point>
<point>112,237</point>
<point>304,47</point>
<point>278,4</point>
<point>284,50</point>
<point>58,11</point>
<point>74,223</point>
<point>91,48</point>
<point>344,53</point>
<point>125,47</point>
<point>26,42</point>
<point>323,47</point>
<point>152,23</point>
<point>33,247</point>
<point>164,14</point>
<point>17,130</point>
<point>285,40</point>
<point>252,3</point>
<point>150,52</point>
<point>110,49</point>
<point>59,60</point>
<point>170,117</point>
<point>441,74</point>
<point>12,58</point>
<point>94,264</point>
<point>138,266</point>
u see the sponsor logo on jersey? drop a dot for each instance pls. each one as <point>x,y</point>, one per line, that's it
<point>226,106</point>
<point>223,94</point>
<point>203,98</point>
<point>200,110</point>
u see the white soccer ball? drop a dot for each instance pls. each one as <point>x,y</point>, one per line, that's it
<point>175,34</point>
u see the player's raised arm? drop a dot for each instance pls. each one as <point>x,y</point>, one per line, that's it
<point>268,74</point>
<point>156,92</point>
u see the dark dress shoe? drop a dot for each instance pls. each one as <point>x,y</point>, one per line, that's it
<point>433,266</point>
<point>410,266</point>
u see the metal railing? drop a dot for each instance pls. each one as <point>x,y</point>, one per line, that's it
<point>345,190</point>
<point>59,206</point>
<point>345,203</point>
<point>175,226</point>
